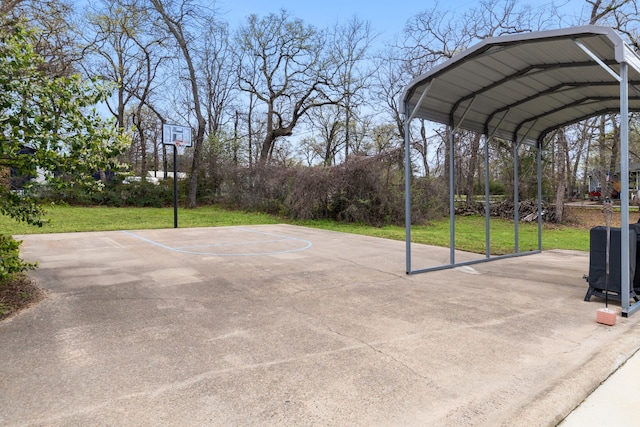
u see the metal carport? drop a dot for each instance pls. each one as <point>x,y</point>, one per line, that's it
<point>519,88</point>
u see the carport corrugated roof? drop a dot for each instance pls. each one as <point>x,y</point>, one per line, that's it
<point>521,87</point>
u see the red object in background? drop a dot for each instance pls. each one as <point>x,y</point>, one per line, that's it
<point>594,195</point>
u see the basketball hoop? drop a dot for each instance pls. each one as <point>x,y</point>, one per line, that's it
<point>178,136</point>
<point>180,146</point>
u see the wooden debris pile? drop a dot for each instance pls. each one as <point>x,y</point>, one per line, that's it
<point>528,210</point>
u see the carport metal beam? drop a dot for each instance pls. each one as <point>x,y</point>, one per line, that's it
<point>488,257</point>
<point>452,196</point>
<point>624,199</point>
<point>452,247</point>
<point>407,175</point>
<point>606,51</point>
<point>624,57</point>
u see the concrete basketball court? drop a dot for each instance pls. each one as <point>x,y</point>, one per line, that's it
<point>285,325</point>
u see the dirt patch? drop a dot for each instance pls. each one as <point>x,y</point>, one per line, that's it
<point>18,294</point>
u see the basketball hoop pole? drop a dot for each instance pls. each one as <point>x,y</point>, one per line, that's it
<point>180,138</point>
<point>175,186</point>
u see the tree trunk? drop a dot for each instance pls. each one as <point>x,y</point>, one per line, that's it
<point>615,149</point>
<point>269,137</point>
<point>175,28</point>
<point>561,178</point>
<point>425,148</point>
<point>447,164</point>
<point>473,166</point>
<point>602,149</point>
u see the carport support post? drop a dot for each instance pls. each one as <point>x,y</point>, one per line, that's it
<point>407,191</point>
<point>487,201</point>
<point>539,166</point>
<point>624,189</point>
<point>407,172</point>
<point>516,200</point>
<point>452,200</point>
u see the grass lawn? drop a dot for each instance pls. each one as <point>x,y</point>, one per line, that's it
<point>470,234</point>
<point>67,219</point>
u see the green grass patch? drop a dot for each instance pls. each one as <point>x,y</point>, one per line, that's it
<point>470,235</point>
<point>67,219</point>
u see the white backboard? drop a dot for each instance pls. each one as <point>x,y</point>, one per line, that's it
<point>176,135</point>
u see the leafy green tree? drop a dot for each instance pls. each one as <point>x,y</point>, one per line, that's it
<point>49,126</point>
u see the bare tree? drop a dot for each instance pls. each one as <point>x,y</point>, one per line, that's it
<point>57,40</point>
<point>310,150</point>
<point>473,167</point>
<point>124,49</point>
<point>146,128</point>
<point>330,130</point>
<point>561,177</point>
<point>111,54</point>
<point>284,66</point>
<point>217,65</point>
<point>620,14</point>
<point>392,74</point>
<point>56,37</point>
<point>8,7</point>
<point>362,135</point>
<point>436,35</point>
<point>422,146</point>
<point>176,17</point>
<point>623,16</point>
<point>350,45</point>
<point>384,138</point>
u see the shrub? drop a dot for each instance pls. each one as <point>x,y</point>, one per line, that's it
<point>496,188</point>
<point>10,261</point>
<point>118,194</point>
<point>260,188</point>
<point>368,190</point>
<point>430,199</point>
<point>141,194</point>
<point>308,192</point>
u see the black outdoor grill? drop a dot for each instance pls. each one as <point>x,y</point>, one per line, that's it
<point>597,264</point>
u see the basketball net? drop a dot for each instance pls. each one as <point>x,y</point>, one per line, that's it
<point>180,146</point>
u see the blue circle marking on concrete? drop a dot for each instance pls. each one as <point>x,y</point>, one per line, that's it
<point>276,238</point>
